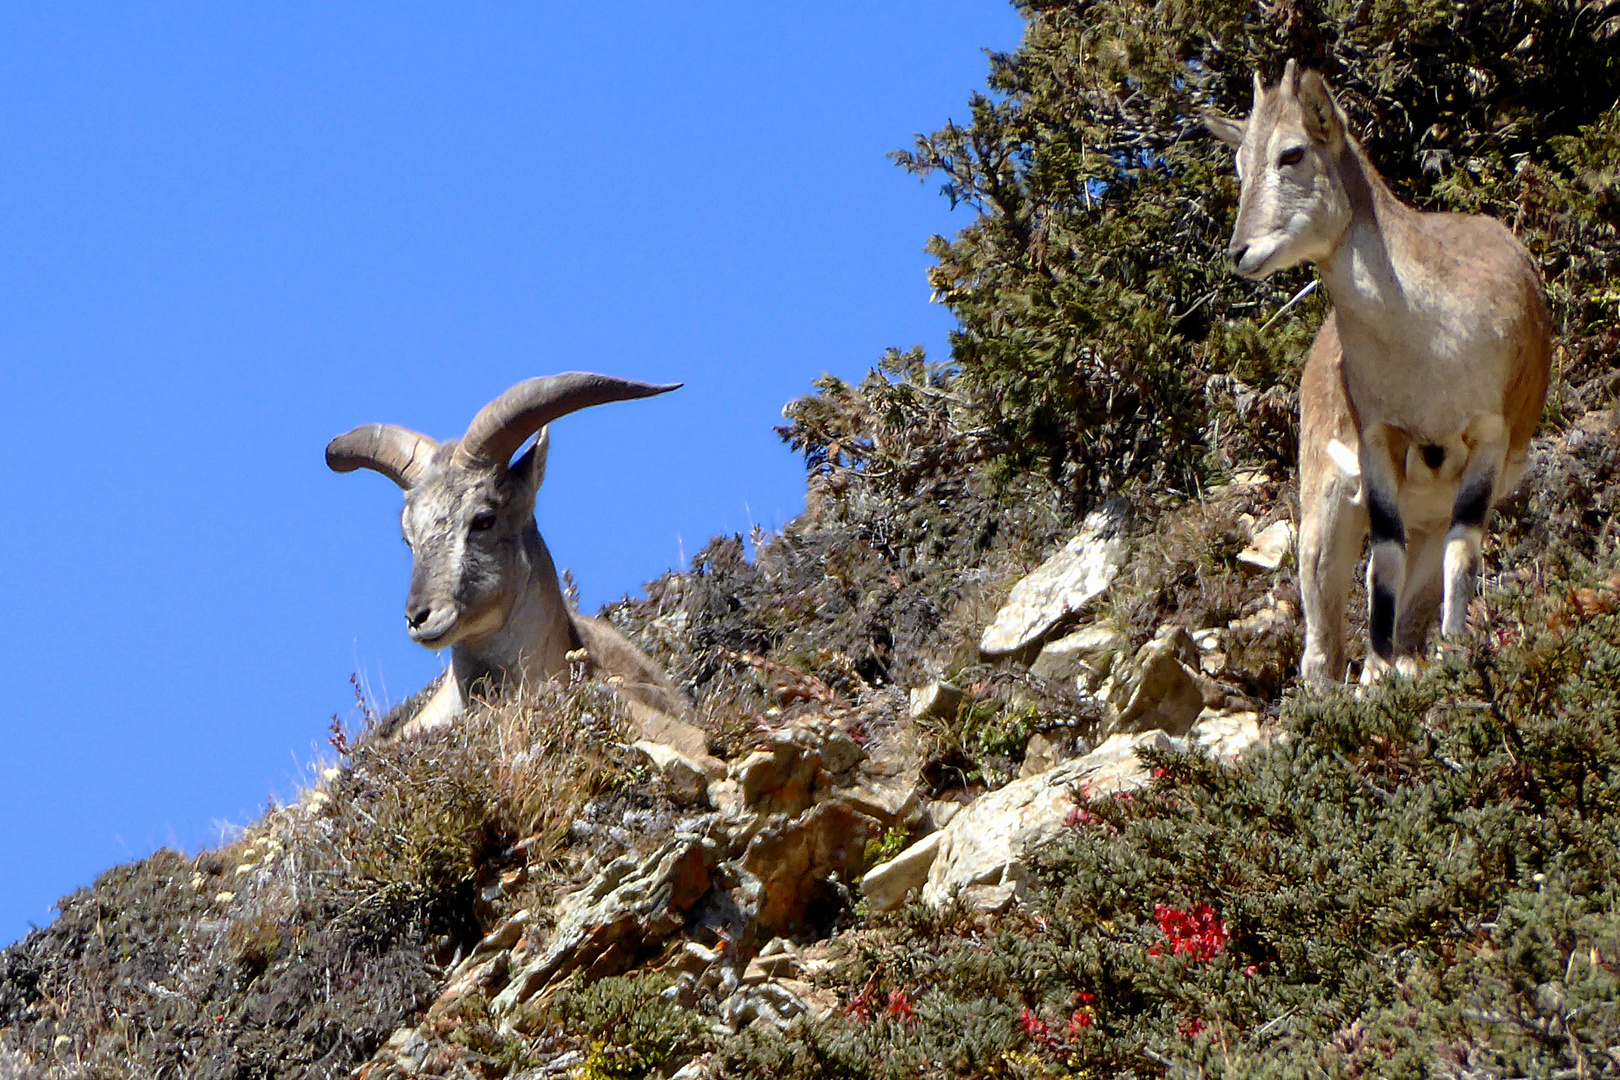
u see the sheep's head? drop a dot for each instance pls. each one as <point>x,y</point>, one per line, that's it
<point>468,506</point>
<point>1293,205</point>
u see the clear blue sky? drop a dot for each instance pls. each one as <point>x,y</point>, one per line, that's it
<point>229,232</point>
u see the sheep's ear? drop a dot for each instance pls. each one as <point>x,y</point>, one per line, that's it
<point>1321,111</point>
<point>1226,129</point>
<point>530,468</point>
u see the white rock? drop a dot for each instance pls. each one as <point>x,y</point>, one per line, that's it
<point>887,885</point>
<point>1226,734</point>
<point>987,842</point>
<point>1062,585</point>
<point>1270,546</point>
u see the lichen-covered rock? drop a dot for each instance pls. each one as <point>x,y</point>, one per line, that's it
<point>1062,586</point>
<point>986,843</point>
<point>633,904</point>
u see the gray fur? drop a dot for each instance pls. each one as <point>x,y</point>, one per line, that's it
<point>483,583</point>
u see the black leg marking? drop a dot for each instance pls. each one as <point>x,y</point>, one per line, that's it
<point>1385,521</point>
<point>1382,630</point>
<point>1473,503</point>
<point>1434,456</point>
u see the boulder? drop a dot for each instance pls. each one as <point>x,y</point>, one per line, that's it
<point>632,905</point>
<point>779,779</point>
<point>793,859</point>
<point>887,885</point>
<point>1062,586</point>
<point>987,842</point>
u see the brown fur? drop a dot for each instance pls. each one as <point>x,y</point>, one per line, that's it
<point>1438,350</point>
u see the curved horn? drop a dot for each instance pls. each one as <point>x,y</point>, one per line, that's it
<point>398,453</point>
<point>501,426</point>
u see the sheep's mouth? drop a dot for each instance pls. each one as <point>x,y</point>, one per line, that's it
<point>436,633</point>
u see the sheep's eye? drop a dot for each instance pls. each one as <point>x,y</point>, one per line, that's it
<point>1292,156</point>
<point>483,521</point>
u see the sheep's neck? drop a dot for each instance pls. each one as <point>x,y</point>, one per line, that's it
<point>534,641</point>
<point>1364,276</point>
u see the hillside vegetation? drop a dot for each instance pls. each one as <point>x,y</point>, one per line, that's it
<point>1420,880</point>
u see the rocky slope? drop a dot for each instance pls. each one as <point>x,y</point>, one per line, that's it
<point>950,726</point>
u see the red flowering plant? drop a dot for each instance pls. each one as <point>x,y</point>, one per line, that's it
<point>1058,1036</point>
<point>867,1006</point>
<point>1199,934</point>
<point>1108,812</point>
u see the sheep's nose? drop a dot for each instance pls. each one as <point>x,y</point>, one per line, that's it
<point>416,618</point>
<point>1236,252</point>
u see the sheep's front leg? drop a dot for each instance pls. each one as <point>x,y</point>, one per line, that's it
<point>1386,569</point>
<point>1332,526</point>
<point>1486,439</point>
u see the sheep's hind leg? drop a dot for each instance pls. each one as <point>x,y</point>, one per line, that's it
<point>1476,491</point>
<point>1420,603</point>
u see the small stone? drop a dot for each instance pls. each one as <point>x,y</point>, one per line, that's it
<point>891,801</point>
<point>224,897</point>
<point>887,885</point>
<point>939,700</point>
<point>1249,478</point>
<point>726,796</point>
<point>660,727</point>
<point>1062,586</point>
<point>840,753</point>
<point>1269,548</point>
<point>1266,619</point>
